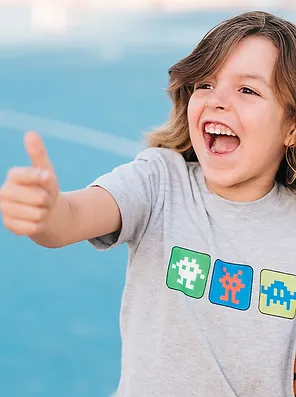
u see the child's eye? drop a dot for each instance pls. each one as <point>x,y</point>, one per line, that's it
<point>203,87</point>
<point>248,91</point>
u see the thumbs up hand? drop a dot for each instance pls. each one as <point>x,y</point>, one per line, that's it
<point>29,194</point>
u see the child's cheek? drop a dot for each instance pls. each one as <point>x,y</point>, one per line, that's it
<point>194,110</point>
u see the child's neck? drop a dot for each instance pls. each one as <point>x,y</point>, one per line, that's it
<point>247,191</point>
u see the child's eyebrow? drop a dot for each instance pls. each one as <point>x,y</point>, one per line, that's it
<point>255,77</point>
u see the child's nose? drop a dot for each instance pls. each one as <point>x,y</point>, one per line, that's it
<point>218,101</point>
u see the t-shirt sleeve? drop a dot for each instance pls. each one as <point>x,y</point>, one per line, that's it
<point>135,187</point>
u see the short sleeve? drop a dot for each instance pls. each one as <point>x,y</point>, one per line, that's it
<point>135,188</point>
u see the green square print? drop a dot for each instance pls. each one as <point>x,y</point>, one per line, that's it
<point>188,272</point>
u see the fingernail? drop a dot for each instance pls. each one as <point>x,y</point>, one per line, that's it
<point>44,175</point>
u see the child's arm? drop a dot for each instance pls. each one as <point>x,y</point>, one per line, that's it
<point>32,204</point>
<point>80,215</point>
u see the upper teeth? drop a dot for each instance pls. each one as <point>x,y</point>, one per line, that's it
<point>218,129</point>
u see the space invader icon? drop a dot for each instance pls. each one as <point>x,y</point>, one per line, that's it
<point>277,294</point>
<point>231,285</point>
<point>188,271</point>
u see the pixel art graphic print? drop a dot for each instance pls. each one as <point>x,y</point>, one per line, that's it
<point>277,294</point>
<point>188,272</point>
<point>231,285</point>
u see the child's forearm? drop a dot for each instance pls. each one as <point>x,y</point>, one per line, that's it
<point>61,224</point>
<point>80,215</point>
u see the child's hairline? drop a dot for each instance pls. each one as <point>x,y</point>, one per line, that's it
<point>276,86</point>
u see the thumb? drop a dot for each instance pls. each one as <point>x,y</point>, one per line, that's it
<point>37,151</point>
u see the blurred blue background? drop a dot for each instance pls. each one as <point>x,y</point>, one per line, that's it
<point>90,81</point>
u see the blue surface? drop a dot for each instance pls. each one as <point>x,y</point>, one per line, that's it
<point>59,309</point>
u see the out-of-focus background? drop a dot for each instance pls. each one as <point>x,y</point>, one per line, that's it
<point>90,77</point>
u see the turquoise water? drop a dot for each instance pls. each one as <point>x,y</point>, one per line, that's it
<point>59,309</point>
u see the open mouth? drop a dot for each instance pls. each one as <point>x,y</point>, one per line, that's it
<point>219,139</point>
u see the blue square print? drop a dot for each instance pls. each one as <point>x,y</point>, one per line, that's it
<point>231,285</point>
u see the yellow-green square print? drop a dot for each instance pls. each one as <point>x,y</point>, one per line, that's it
<point>188,272</point>
<point>277,294</point>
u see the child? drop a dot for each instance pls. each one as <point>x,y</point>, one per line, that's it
<point>210,296</point>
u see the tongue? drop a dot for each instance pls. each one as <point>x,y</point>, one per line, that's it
<point>225,144</point>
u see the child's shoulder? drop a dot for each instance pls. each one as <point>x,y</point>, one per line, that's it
<point>158,153</point>
<point>164,162</point>
<point>165,156</point>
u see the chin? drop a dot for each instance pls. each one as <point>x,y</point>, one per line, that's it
<point>222,178</point>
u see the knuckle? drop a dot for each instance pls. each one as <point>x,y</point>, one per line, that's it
<point>3,207</point>
<point>18,232</point>
<point>13,172</point>
<point>9,224</point>
<point>10,173</point>
<point>39,215</point>
<point>42,198</point>
<point>2,192</point>
<point>35,228</point>
<point>6,222</point>
<point>5,192</point>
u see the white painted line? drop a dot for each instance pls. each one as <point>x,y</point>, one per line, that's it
<point>71,133</point>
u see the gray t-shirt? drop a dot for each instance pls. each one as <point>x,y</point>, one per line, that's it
<point>210,296</point>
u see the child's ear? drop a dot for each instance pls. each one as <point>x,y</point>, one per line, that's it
<point>291,136</point>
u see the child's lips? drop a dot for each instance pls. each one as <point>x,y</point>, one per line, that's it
<point>221,150</point>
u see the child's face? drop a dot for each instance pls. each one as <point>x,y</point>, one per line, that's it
<point>249,107</point>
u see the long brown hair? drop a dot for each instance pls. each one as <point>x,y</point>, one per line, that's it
<point>206,59</point>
